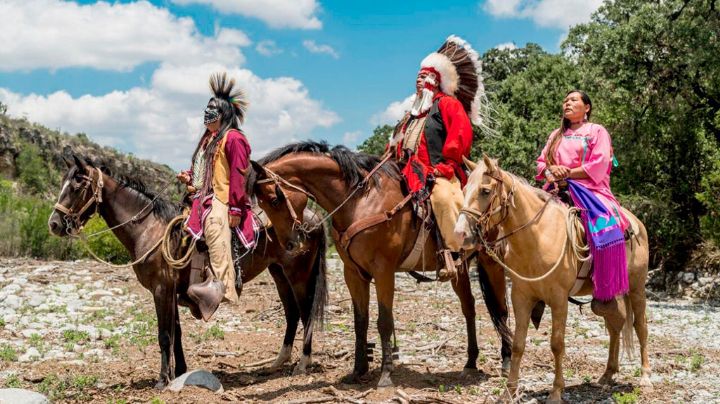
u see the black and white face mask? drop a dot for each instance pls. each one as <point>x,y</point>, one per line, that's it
<point>212,114</point>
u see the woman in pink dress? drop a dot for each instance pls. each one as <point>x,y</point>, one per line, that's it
<point>581,151</point>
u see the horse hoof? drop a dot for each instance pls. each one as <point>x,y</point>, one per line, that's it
<point>352,378</point>
<point>646,385</point>
<point>160,385</point>
<point>605,380</point>
<point>302,366</point>
<point>505,371</point>
<point>469,373</point>
<point>385,381</point>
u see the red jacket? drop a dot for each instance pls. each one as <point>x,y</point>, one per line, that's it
<point>446,139</point>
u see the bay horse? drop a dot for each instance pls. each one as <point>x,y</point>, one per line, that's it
<point>283,182</point>
<point>299,278</point>
<point>537,230</point>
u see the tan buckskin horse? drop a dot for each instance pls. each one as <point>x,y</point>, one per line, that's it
<point>335,178</point>
<point>545,267</point>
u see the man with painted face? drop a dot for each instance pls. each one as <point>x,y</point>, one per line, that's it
<point>220,205</point>
<point>434,136</point>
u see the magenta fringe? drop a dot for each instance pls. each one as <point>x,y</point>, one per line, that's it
<point>610,274</point>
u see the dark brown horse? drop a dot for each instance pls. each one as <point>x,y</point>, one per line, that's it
<point>299,276</point>
<point>283,183</point>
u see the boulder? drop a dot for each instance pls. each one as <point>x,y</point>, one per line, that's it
<point>22,396</point>
<point>198,377</point>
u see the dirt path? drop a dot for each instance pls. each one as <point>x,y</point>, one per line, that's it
<point>78,331</point>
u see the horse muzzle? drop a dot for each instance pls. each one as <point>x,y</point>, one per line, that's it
<point>56,225</point>
<point>463,233</point>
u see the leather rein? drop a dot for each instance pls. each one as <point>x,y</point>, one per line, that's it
<point>305,228</point>
<point>507,200</point>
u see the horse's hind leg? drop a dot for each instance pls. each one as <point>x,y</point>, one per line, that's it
<point>299,275</point>
<point>360,293</point>
<point>638,302</point>
<point>614,323</point>
<point>557,344</point>
<point>180,364</point>
<point>467,302</point>
<point>292,315</point>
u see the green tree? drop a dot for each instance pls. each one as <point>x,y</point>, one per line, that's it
<point>375,144</point>
<point>525,87</point>
<point>32,170</point>
<point>654,68</point>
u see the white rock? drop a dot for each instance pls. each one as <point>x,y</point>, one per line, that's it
<point>200,378</point>
<point>64,287</point>
<point>10,318</point>
<point>13,302</point>
<point>688,277</point>
<point>27,333</point>
<point>30,355</point>
<point>21,396</point>
<point>44,268</point>
<point>36,300</point>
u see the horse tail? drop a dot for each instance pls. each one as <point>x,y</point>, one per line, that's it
<point>319,276</point>
<point>627,331</point>
<point>498,315</point>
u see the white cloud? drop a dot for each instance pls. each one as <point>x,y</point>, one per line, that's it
<point>393,113</point>
<point>275,13</point>
<point>268,48</point>
<point>163,122</point>
<point>313,47</point>
<point>55,34</point>
<point>351,137</point>
<point>506,46</point>
<point>545,13</point>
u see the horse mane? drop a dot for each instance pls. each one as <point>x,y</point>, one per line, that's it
<point>161,207</point>
<point>539,192</point>
<point>353,165</point>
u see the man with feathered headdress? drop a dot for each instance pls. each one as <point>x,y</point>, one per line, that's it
<point>434,136</point>
<point>216,181</point>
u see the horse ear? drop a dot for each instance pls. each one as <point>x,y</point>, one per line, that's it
<point>259,169</point>
<point>79,162</point>
<point>68,161</point>
<point>489,163</point>
<point>469,163</point>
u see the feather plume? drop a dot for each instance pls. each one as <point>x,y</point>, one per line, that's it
<point>224,88</point>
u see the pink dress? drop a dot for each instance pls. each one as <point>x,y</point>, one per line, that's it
<point>588,147</point>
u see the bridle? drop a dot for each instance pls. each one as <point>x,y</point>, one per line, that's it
<point>72,217</point>
<point>506,201</point>
<point>482,219</point>
<point>299,225</point>
<point>279,181</point>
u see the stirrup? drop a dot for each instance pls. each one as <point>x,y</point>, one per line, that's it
<point>449,271</point>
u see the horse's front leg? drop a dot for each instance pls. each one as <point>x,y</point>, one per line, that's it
<point>464,292</point>
<point>360,293</point>
<point>492,284</point>
<point>557,344</point>
<point>521,308</point>
<point>385,289</point>
<point>180,364</point>
<point>162,295</point>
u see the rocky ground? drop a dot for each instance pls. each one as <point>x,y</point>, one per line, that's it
<point>79,331</point>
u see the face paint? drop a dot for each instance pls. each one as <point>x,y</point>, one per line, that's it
<point>212,113</point>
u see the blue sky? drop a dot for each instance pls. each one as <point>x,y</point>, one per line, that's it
<point>134,74</point>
